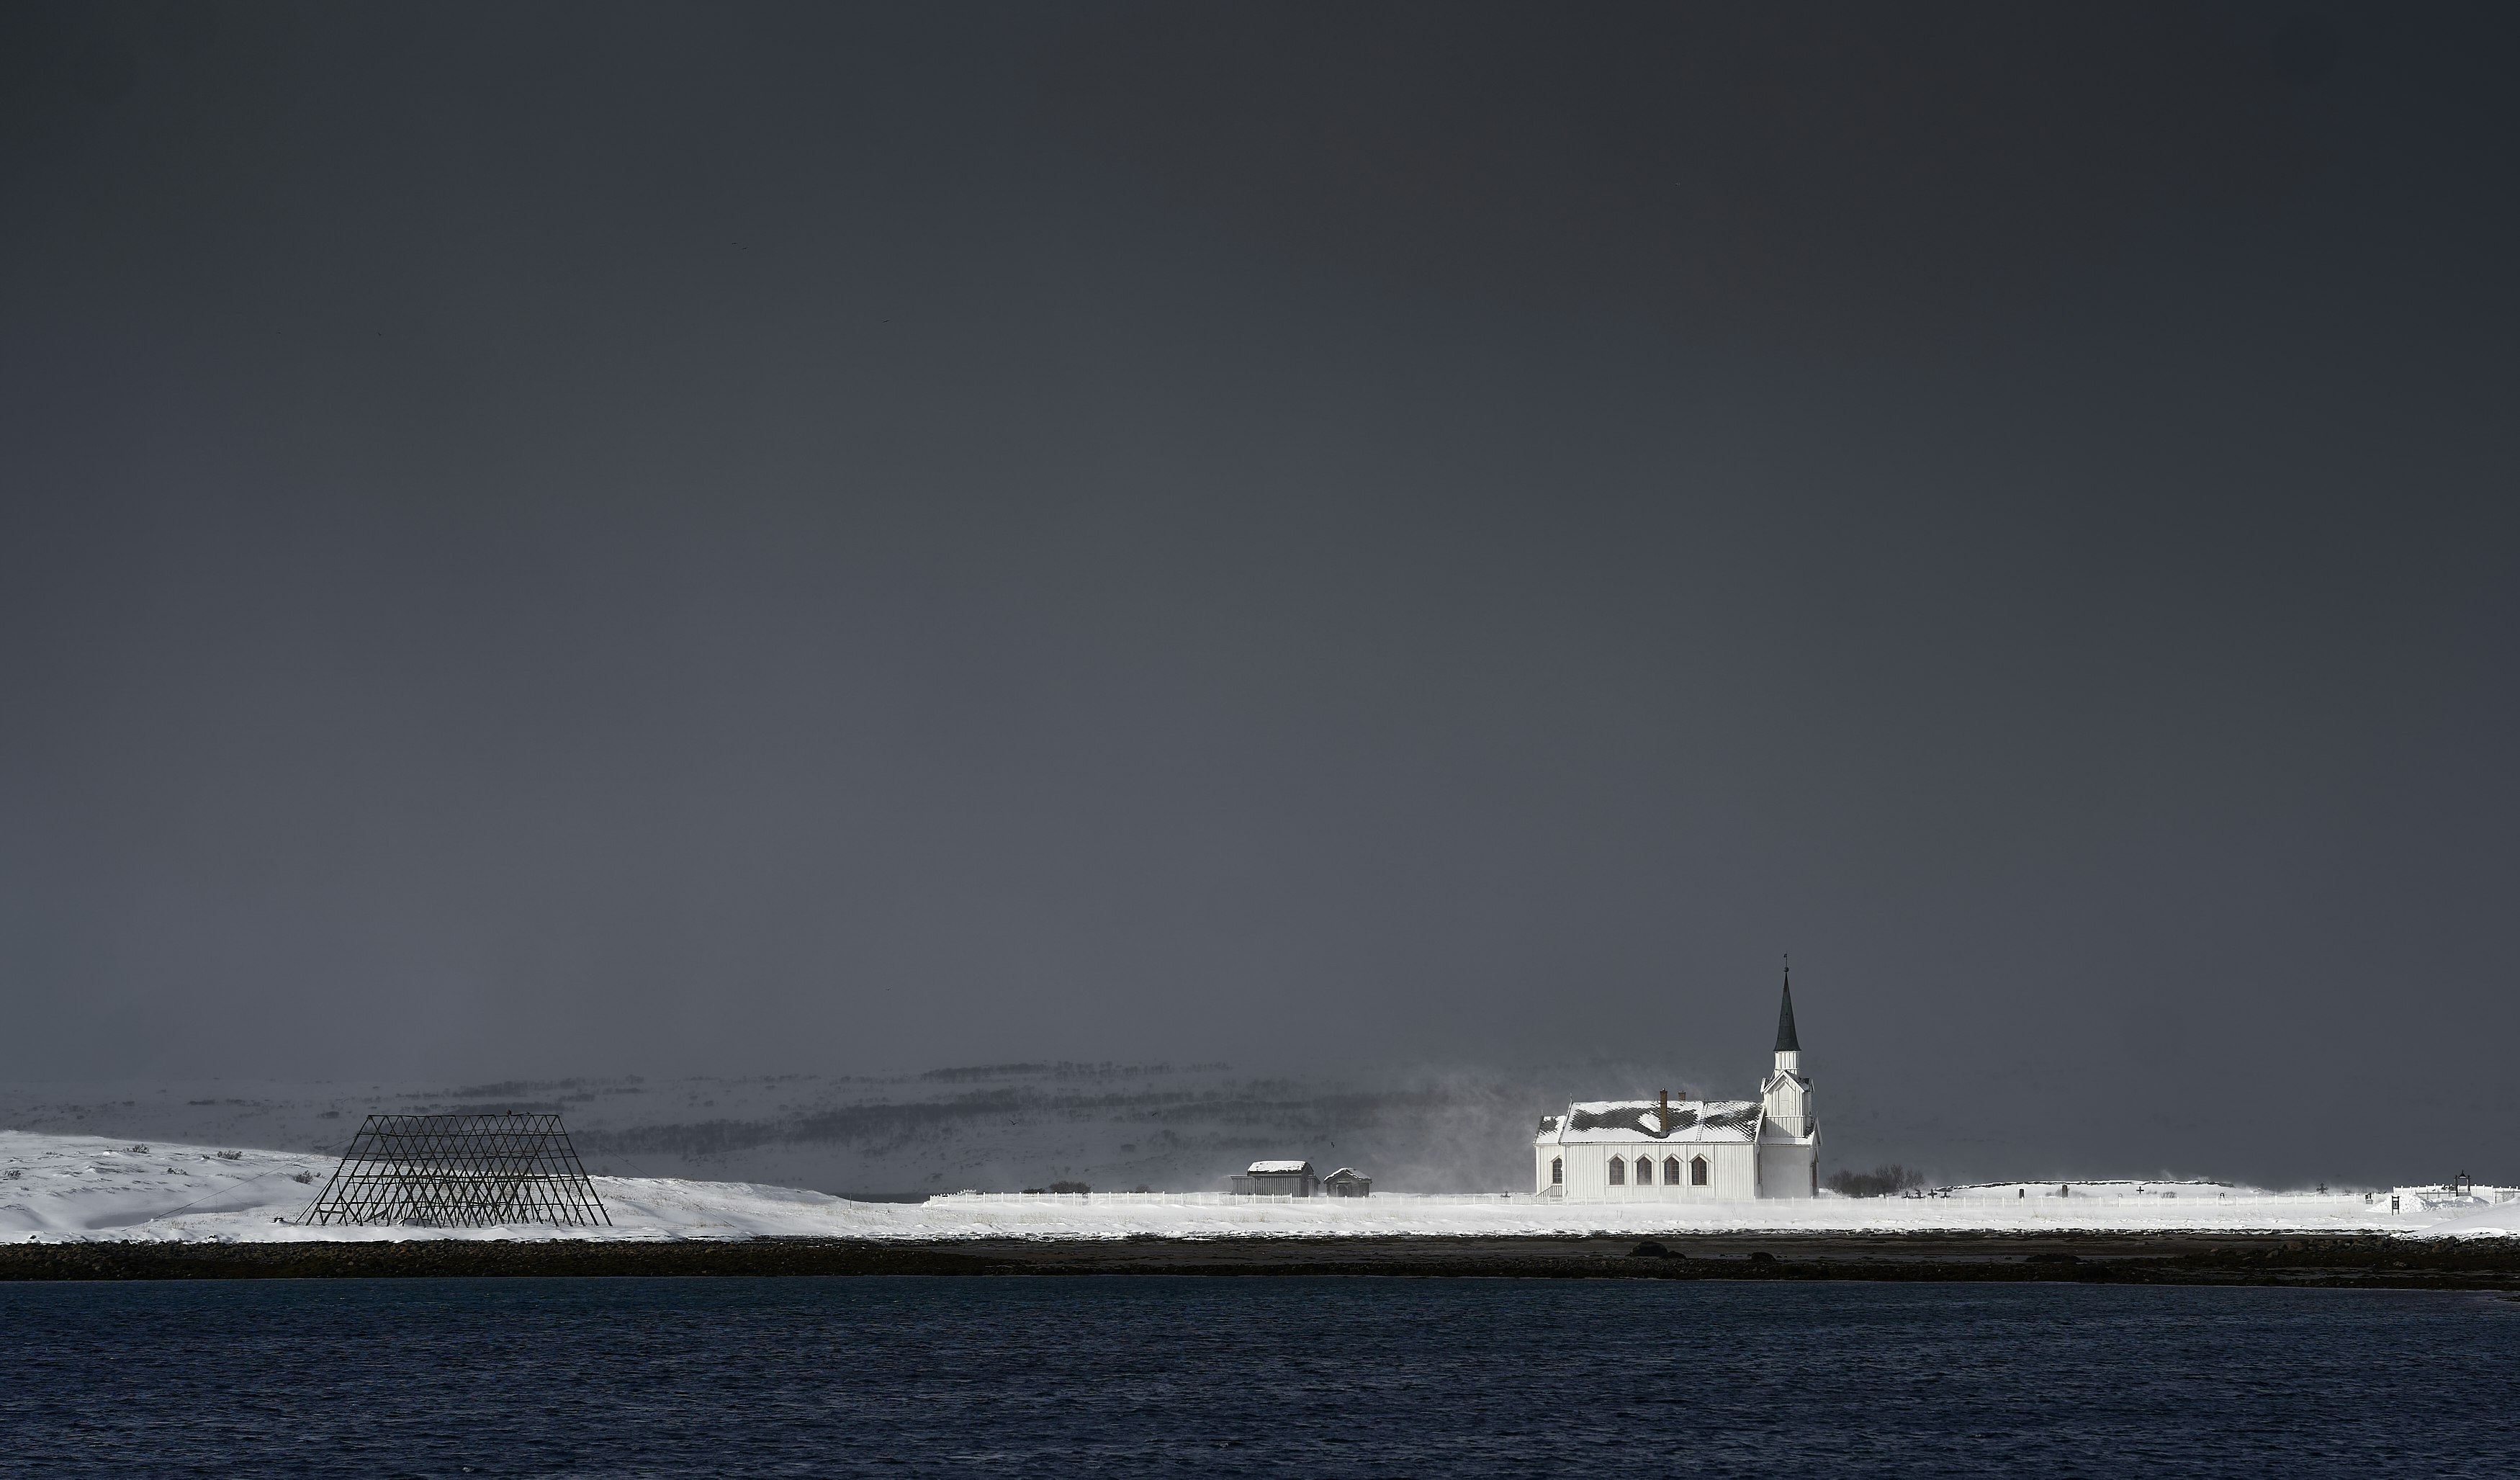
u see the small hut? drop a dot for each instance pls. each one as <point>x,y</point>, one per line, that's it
<point>1279,1178</point>
<point>1347,1181</point>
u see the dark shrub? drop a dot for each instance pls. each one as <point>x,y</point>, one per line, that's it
<point>1881,1182</point>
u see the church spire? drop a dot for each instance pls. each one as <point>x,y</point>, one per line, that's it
<point>1786,1093</point>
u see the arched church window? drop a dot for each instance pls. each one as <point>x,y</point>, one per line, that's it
<point>1698,1170</point>
<point>1557,1171</point>
<point>1618,1173</point>
<point>1671,1170</point>
<point>1645,1171</point>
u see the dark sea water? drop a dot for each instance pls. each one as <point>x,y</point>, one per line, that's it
<point>1248,1376</point>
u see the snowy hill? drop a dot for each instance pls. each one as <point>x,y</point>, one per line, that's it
<point>737,1155</point>
<point>57,1188</point>
<point>994,1127</point>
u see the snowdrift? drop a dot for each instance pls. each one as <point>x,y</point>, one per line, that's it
<point>2501,1222</point>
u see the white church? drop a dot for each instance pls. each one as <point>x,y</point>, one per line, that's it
<point>1686,1150</point>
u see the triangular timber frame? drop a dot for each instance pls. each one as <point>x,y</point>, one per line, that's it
<point>459,1172</point>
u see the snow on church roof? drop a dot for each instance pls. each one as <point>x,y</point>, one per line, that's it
<point>1278,1166</point>
<point>1596,1121</point>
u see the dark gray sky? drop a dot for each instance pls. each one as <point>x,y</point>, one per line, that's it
<point>543,540</point>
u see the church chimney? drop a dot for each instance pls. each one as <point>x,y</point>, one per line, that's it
<point>1789,1048</point>
<point>1665,1112</point>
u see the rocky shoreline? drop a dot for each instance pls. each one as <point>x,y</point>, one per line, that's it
<point>2362,1263</point>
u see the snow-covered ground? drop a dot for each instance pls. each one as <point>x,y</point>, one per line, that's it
<point>61,1189</point>
<point>2501,1222</point>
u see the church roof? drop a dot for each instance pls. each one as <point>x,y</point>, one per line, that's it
<point>1599,1121</point>
<point>1787,1042</point>
<point>1265,1168</point>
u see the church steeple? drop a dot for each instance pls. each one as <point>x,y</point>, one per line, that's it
<point>1787,1095</point>
<point>1789,1045</point>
